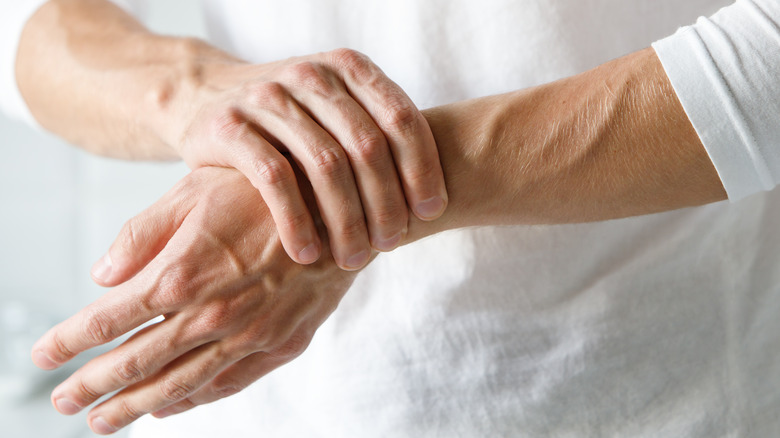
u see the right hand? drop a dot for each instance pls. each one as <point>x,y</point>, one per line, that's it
<point>208,258</point>
<point>362,143</point>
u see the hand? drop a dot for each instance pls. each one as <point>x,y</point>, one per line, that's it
<point>206,256</point>
<point>349,127</point>
<point>363,144</point>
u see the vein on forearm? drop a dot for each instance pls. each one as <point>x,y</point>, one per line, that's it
<point>608,143</point>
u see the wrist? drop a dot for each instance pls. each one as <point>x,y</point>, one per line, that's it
<point>195,72</point>
<point>608,143</point>
<point>465,134</point>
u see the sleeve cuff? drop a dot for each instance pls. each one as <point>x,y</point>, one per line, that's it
<point>723,70</point>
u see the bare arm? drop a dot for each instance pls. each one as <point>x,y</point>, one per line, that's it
<point>92,74</point>
<point>608,143</point>
<point>87,68</point>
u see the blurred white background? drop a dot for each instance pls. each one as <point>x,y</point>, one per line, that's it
<point>59,211</point>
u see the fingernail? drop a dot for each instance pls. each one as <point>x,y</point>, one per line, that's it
<point>430,208</point>
<point>309,254</point>
<point>167,412</point>
<point>67,407</point>
<point>162,413</point>
<point>101,426</point>
<point>102,268</point>
<point>388,244</point>
<point>42,360</point>
<point>357,260</point>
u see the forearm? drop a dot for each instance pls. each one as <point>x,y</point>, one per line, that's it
<point>608,143</point>
<point>92,74</point>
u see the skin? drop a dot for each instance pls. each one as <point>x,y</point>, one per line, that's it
<point>92,74</point>
<point>608,143</point>
<point>253,310</point>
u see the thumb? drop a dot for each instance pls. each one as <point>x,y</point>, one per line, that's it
<point>139,241</point>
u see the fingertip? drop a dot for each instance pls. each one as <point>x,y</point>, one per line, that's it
<point>302,247</point>
<point>162,413</point>
<point>356,261</point>
<point>42,360</point>
<point>309,254</point>
<point>102,269</point>
<point>170,410</point>
<point>388,244</point>
<point>431,208</point>
<point>65,406</point>
<point>101,427</point>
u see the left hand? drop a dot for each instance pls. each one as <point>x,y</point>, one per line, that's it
<point>208,258</point>
<point>362,143</point>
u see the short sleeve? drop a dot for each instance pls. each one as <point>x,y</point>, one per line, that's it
<point>726,72</point>
<point>12,20</point>
<point>13,16</point>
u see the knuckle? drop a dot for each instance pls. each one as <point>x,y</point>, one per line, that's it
<point>295,221</point>
<point>146,302</point>
<point>355,64</point>
<point>215,318</point>
<point>61,351</point>
<point>307,74</point>
<point>128,236</point>
<point>128,371</point>
<point>247,344</point>
<point>272,172</point>
<point>172,287</point>
<point>228,125</point>
<point>129,411</point>
<point>390,217</point>
<point>353,228</point>
<point>293,347</point>
<point>421,173</point>
<point>173,390</point>
<point>168,292</point>
<point>400,115</point>
<point>268,94</point>
<point>370,147</point>
<point>84,394</point>
<point>98,328</point>
<point>303,70</point>
<point>263,338</point>
<point>227,387</point>
<point>331,162</point>
<point>350,58</point>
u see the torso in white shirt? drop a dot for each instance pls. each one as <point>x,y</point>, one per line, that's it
<point>664,325</point>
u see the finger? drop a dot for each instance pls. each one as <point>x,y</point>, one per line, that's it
<point>327,167</point>
<point>110,316</point>
<point>229,382</point>
<point>141,239</point>
<point>243,373</point>
<point>176,382</point>
<point>141,356</point>
<point>372,163</point>
<point>408,134</point>
<point>272,175</point>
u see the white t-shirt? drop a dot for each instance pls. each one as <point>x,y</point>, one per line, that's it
<point>662,325</point>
